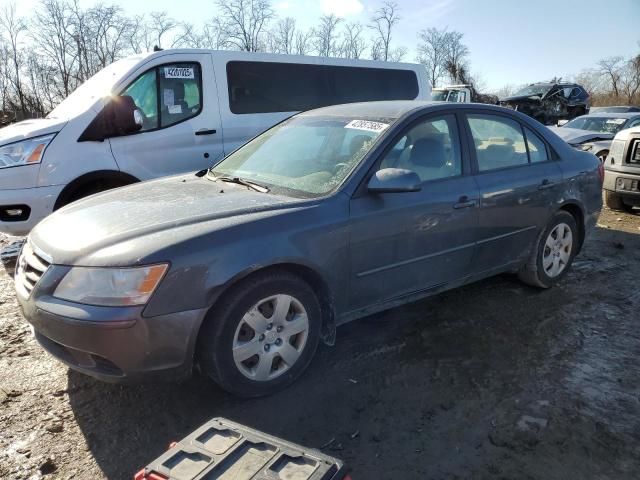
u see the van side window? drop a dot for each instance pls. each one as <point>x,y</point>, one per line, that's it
<point>264,87</point>
<point>144,92</point>
<point>167,94</point>
<point>180,92</point>
<point>499,142</point>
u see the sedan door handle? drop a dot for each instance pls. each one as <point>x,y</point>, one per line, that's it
<point>546,183</point>
<point>205,131</point>
<point>464,202</point>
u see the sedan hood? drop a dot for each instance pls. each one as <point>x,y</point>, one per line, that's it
<point>575,136</point>
<point>163,205</point>
<point>30,128</point>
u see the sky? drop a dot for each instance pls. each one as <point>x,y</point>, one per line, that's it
<point>511,42</point>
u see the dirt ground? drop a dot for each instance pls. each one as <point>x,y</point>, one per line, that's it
<point>493,380</point>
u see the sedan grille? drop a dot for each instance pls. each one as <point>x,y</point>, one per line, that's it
<point>30,267</point>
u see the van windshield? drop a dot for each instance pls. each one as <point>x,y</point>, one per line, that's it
<point>306,156</point>
<point>98,86</point>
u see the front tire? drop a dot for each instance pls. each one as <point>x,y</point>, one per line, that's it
<point>554,252</point>
<point>262,335</point>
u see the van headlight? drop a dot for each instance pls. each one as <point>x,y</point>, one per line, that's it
<point>110,287</point>
<point>24,152</point>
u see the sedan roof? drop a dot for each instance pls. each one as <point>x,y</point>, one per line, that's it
<point>627,115</point>
<point>392,108</point>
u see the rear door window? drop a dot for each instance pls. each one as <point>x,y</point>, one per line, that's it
<point>499,142</point>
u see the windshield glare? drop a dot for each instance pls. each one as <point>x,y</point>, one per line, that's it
<point>98,86</point>
<point>597,124</point>
<point>304,156</point>
<point>532,90</point>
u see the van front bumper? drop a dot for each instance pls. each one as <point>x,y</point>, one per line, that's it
<point>114,344</point>
<point>36,204</point>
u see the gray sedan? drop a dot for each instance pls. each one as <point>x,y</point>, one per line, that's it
<point>332,215</point>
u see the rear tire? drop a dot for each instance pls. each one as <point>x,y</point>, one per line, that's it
<point>249,347</point>
<point>614,202</point>
<point>554,252</point>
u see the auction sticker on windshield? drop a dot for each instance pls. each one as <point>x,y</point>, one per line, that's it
<point>178,72</point>
<point>367,125</point>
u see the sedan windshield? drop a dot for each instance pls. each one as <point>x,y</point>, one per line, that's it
<point>305,156</point>
<point>597,124</point>
<point>533,90</point>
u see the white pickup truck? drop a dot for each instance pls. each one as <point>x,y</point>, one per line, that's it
<point>461,94</point>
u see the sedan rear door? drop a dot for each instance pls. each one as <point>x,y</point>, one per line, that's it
<point>518,181</point>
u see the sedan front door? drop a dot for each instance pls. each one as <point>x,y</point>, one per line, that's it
<point>405,243</point>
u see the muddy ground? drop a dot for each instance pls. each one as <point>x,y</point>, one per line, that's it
<point>494,380</point>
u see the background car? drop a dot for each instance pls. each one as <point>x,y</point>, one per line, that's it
<point>332,215</point>
<point>615,109</point>
<point>549,102</point>
<point>594,132</point>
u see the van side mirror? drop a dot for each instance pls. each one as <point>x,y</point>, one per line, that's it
<point>394,180</point>
<point>119,116</point>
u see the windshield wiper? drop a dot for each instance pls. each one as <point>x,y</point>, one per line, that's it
<point>241,181</point>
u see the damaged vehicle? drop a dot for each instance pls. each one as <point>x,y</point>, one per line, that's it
<point>549,102</point>
<point>594,132</point>
<point>331,215</point>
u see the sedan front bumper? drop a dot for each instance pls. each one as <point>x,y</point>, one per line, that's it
<point>113,344</point>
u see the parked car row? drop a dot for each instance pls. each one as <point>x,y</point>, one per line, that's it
<point>259,249</point>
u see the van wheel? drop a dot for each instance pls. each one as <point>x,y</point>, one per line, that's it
<point>555,249</point>
<point>614,202</point>
<point>262,335</point>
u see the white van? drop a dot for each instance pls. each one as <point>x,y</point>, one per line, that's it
<point>169,112</point>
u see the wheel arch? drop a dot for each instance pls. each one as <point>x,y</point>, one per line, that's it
<point>577,213</point>
<point>307,273</point>
<point>115,177</point>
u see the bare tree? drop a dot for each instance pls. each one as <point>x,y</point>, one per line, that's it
<point>326,35</point>
<point>14,27</point>
<point>383,21</point>
<point>283,36</point>
<point>456,57</point>
<point>630,79</point>
<point>161,24</point>
<point>432,52</point>
<point>214,36</point>
<point>612,68</point>
<point>51,31</point>
<point>245,21</point>
<point>353,43</point>
<point>303,42</point>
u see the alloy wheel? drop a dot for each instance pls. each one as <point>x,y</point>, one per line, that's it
<point>270,337</point>
<point>557,250</point>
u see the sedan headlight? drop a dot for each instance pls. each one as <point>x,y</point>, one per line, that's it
<point>111,287</point>
<point>24,152</point>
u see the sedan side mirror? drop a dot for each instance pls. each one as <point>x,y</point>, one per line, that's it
<point>562,123</point>
<point>120,116</point>
<point>394,180</point>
